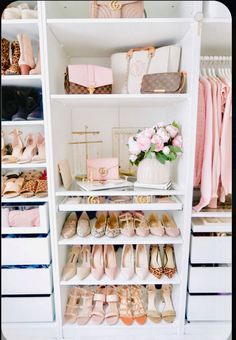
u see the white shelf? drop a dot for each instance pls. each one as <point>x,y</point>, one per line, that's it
<point>142,32</point>
<point>150,239</point>
<point>23,123</point>
<point>123,100</point>
<point>75,190</point>
<point>212,213</point>
<point>10,28</point>
<point>22,80</point>
<point>119,207</point>
<point>224,225</point>
<point>23,166</point>
<point>119,329</point>
<point>120,280</point>
<point>19,199</point>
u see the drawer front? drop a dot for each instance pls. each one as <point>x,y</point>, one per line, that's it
<point>43,228</point>
<point>210,279</point>
<point>209,307</point>
<point>23,281</point>
<point>28,309</point>
<point>211,249</point>
<point>32,250</point>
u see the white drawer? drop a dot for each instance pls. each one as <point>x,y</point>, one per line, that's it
<point>42,229</point>
<point>27,281</point>
<point>26,250</point>
<point>210,279</point>
<point>210,249</point>
<point>28,309</point>
<point>209,307</point>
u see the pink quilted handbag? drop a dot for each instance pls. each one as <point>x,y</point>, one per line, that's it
<point>117,9</point>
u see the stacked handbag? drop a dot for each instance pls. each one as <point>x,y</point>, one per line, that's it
<point>140,70</point>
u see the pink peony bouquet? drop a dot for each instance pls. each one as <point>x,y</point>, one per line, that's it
<point>163,140</point>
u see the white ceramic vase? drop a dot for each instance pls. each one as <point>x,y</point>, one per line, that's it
<point>151,171</point>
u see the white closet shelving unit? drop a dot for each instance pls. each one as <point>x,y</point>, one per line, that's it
<point>69,37</point>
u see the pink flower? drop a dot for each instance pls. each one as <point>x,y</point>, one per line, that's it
<point>148,133</point>
<point>144,142</point>
<point>158,141</point>
<point>161,132</point>
<point>178,141</point>
<point>172,130</point>
<point>133,146</point>
<point>161,124</point>
<point>133,158</point>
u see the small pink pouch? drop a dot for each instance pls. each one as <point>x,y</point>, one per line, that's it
<point>102,169</point>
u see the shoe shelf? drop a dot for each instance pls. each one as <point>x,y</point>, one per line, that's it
<point>10,28</point>
<point>23,123</point>
<point>24,200</point>
<point>22,80</point>
<point>73,204</point>
<point>23,166</point>
<point>150,239</point>
<point>212,213</point>
<point>123,100</point>
<point>120,280</point>
<point>128,191</point>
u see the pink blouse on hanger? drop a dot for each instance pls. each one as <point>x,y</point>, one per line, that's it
<point>206,176</point>
<point>200,135</point>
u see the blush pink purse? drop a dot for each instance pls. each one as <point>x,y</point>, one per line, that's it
<point>102,169</point>
<point>117,9</point>
<point>88,79</point>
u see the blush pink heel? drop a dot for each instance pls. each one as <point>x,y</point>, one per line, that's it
<point>127,261</point>
<point>141,225</point>
<point>126,224</point>
<point>170,226</point>
<point>85,306</point>
<point>84,265</point>
<point>112,312</point>
<point>98,314</point>
<point>30,150</point>
<point>155,225</point>
<point>17,148</point>
<point>110,263</point>
<point>69,270</point>
<point>41,156</point>
<point>141,261</point>
<point>97,265</point>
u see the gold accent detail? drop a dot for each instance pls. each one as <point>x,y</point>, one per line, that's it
<point>114,5</point>
<point>103,171</point>
<point>91,89</point>
<point>159,90</point>
<point>93,200</point>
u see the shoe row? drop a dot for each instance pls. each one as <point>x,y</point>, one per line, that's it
<point>104,260</point>
<point>21,11</point>
<point>25,184</point>
<point>33,150</point>
<point>128,303</point>
<point>22,57</point>
<point>113,224</point>
<point>21,103</point>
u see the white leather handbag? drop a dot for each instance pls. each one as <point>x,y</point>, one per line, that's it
<point>129,68</point>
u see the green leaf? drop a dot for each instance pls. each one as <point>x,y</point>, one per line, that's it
<point>172,156</point>
<point>153,147</point>
<point>160,158</point>
<point>175,124</point>
<point>148,154</point>
<point>175,148</point>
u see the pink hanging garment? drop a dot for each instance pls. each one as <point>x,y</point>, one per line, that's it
<point>226,146</point>
<point>4,218</point>
<point>215,87</point>
<point>200,135</point>
<point>25,218</point>
<point>206,182</point>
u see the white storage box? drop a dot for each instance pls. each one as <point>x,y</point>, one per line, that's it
<point>27,280</point>
<point>28,309</point>
<point>209,307</point>
<point>42,229</point>
<point>211,224</point>
<point>210,279</point>
<point>210,249</point>
<point>26,250</point>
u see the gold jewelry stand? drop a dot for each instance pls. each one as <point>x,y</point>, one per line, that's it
<point>85,142</point>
